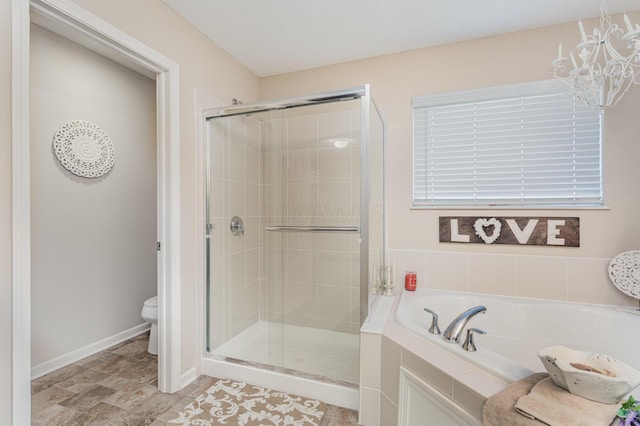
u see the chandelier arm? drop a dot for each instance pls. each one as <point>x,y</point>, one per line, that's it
<point>609,62</point>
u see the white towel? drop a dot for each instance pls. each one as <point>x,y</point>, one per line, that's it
<point>557,407</point>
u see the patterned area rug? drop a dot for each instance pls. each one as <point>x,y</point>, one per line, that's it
<point>238,404</point>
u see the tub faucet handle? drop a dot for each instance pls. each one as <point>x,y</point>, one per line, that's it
<point>468,344</point>
<point>434,329</point>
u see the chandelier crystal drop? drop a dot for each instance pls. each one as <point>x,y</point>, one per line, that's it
<point>607,62</point>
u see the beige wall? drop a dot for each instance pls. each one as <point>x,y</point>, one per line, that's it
<point>5,212</point>
<point>105,267</point>
<point>507,59</point>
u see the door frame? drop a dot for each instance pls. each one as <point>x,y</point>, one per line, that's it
<point>75,23</point>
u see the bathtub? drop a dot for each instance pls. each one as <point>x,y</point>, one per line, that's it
<point>517,328</point>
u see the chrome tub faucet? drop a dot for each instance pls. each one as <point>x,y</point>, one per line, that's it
<point>453,332</point>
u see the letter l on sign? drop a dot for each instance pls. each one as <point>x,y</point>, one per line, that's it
<point>455,236</point>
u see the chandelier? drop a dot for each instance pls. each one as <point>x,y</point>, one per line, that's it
<point>608,62</point>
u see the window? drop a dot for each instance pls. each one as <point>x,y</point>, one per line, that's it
<point>528,144</point>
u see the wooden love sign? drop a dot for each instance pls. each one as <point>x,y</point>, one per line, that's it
<point>538,231</point>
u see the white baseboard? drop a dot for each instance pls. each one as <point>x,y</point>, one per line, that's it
<point>327,392</point>
<point>187,378</point>
<point>66,359</point>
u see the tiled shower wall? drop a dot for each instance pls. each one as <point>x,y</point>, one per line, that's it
<point>307,180</point>
<point>284,171</point>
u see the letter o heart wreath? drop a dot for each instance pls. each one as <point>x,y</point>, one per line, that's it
<point>482,223</point>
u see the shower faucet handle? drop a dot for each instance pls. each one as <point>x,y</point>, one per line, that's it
<point>236,226</point>
<point>434,329</point>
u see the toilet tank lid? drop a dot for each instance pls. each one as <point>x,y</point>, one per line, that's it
<point>152,301</point>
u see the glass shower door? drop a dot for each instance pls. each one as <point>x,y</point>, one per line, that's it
<point>292,289</point>
<point>316,296</point>
<point>239,296</point>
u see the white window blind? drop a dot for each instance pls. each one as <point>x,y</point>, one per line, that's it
<point>522,145</point>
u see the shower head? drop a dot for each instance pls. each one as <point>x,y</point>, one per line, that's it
<point>237,108</point>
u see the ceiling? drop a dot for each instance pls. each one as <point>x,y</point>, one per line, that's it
<point>278,36</point>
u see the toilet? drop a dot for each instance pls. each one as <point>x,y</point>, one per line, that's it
<point>150,314</point>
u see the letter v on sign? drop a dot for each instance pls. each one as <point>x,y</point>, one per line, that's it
<point>522,235</point>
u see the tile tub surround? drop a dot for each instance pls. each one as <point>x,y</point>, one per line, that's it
<point>573,279</point>
<point>389,346</point>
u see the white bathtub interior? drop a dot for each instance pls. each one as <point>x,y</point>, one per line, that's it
<point>517,328</point>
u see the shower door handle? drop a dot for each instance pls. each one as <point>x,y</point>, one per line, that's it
<point>321,229</point>
<point>209,227</point>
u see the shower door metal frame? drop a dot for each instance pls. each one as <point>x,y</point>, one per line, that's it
<point>363,93</point>
<point>367,103</point>
<point>286,103</point>
<point>365,128</point>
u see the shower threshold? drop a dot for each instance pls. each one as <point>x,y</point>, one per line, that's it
<point>320,355</point>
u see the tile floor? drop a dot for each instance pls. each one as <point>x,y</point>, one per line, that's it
<point>118,387</point>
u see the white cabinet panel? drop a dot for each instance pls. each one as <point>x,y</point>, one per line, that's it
<point>421,405</point>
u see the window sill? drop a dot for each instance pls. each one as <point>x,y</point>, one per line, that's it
<point>461,207</point>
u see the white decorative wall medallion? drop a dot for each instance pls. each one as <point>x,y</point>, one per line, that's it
<point>624,271</point>
<point>84,149</point>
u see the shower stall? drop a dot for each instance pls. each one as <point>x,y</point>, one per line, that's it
<point>295,232</point>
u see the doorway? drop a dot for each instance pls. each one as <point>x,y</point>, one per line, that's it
<point>66,19</point>
<point>93,201</point>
